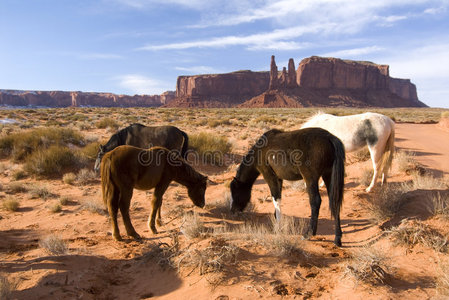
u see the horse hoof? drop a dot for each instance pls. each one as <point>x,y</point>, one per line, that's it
<point>159,223</point>
<point>154,230</point>
<point>337,242</point>
<point>117,238</point>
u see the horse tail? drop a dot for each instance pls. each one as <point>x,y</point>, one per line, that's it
<point>107,186</point>
<point>387,156</point>
<point>337,178</point>
<point>185,145</point>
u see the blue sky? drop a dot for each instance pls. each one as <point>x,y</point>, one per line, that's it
<point>142,46</point>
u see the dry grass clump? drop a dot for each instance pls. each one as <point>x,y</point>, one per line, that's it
<point>16,188</point>
<point>55,208</point>
<point>18,174</point>
<point>411,232</point>
<point>40,192</point>
<point>90,151</point>
<point>212,259</point>
<point>369,265</point>
<point>95,205</point>
<point>107,122</point>
<point>361,155</point>
<point>385,203</point>
<point>85,176</point>
<point>11,204</point>
<point>192,226</point>
<point>69,178</point>
<point>54,245</point>
<point>22,144</point>
<point>426,182</point>
<point>6,288</point>
<point>439,205</point>
<point>53,161</point>
<point>405,161</point>
<point>366,177</point>
<point>218,122</point>
<point>209,148</point>
<point>445,114</point>
<point>442,282</point>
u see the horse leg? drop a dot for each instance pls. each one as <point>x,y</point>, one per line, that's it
<point>338,232</point>
<point>159,219</point>
<point>113,205</point>
<point>275,185</point>
<point>125,201</point>
<point>315,203</point>
<point>375,158</point>
<point>159,191</point>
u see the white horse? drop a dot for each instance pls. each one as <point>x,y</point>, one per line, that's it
<point>357,131</point>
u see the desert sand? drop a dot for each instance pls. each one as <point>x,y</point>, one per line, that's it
<point>170,265</point>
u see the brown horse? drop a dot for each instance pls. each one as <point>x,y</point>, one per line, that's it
<point>128,167</point>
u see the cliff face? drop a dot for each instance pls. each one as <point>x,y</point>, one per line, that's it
<point>318,81</point>
<point>219,90</point>
<point>66,99</point>
<point>319,72</point>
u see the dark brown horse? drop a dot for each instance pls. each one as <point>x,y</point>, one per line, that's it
<point>142,136</point>
<point>126,168</point>
<point>302,154</point>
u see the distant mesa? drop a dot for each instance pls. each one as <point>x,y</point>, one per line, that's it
<point>318,81</point>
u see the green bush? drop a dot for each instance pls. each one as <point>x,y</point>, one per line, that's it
<point>107,122</point>
<point>52,162</point>
<point>22,144</point>
<point>209,147</point>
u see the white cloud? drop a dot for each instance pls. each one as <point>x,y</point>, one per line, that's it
<point>138,84</point>
<point>268,40</point>
<point>348,53</point>
<point>198,70</point>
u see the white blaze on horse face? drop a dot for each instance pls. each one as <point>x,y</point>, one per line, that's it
<point>277,208</point>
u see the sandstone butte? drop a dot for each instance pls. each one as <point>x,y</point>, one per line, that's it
<point>317,81</point>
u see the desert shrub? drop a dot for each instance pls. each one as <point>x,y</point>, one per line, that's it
<point>405,161</point>
<point>85,176</point>
<point>18,174</point>
<point>218,122</point>
<point>55,208</point>
<point>209,147</point>
<point>192,225</point>
<point>54,245</point>
<point>368,265</point>
<point>366,177</point>
<point>107,122</point>
<point>439,205</point>
<point>442,282</point>
<point>445,114</point>
<point>426,182</point>
<point>385,203</point>
<point>21,144</point>
<point>64,200</point>
<point>53,161</point>
<point>40,192</point>
<point>16,187</point>
<point>11,204</point>
<point>90,151</point>
<point>411,232</point>
<point>212,259</point>
<point>69,178</point>
<point>361,155</point>
<point>95,205</point>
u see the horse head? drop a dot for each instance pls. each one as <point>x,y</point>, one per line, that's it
<point>101,152</point>
<point>197,191</point>
<point>240,195</point>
